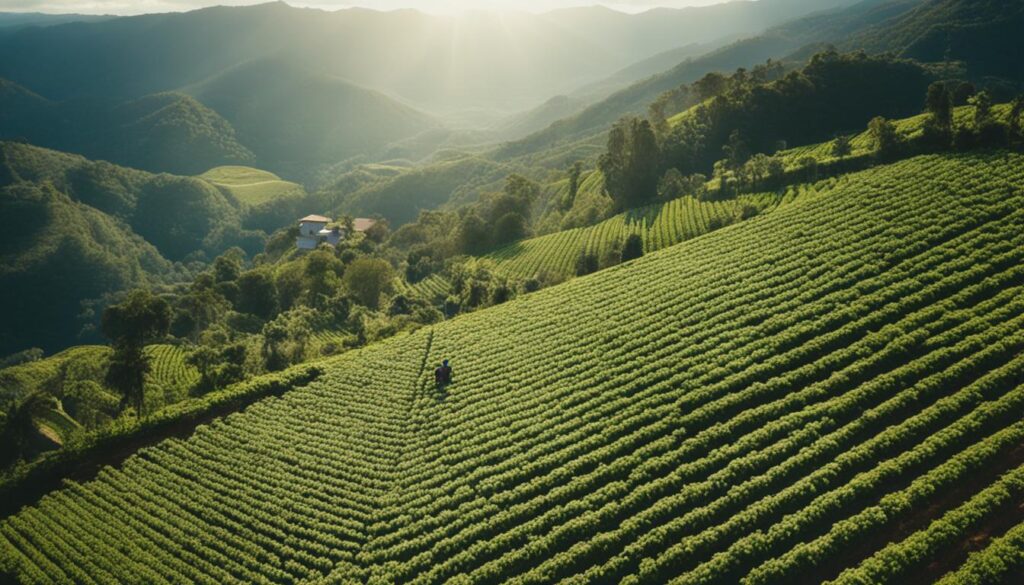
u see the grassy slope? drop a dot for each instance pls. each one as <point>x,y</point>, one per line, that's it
<point>854,358</point>
<point>251,186</point>
<point>660,225</point>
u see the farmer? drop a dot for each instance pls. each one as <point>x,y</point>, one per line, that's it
<point>443,374</point>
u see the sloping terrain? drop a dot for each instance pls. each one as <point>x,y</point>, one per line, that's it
<point>251,186</point>
<point>770,403</point>
<point>660,225</point>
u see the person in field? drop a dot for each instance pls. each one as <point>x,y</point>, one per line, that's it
<point>443,374</point>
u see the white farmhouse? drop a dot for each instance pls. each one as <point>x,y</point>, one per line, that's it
<point>313,231</point>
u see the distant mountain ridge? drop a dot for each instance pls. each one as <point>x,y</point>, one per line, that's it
<point>434,62</point>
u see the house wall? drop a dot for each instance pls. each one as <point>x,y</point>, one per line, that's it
<point>310,228</point>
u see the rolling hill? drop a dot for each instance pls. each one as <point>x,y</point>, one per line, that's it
<point>252,186</point>
<point>980,33</point>
<point>169,132</point>
<point>295,119</point>
<point>75,230</point>
<point>827,392</point>
<point>505,61</point>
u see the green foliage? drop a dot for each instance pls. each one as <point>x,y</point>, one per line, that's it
<point>884,137</point>
<point>56,253</point>
<point>762,404</point>
<point>630,166</point>
<point>130,325</point>
<point>165,132</point>
<point>367,279</point>
<point>832,93</point>
<point>658,226</point>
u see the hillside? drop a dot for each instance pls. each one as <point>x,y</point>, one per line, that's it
<point>983,34</point>
<point>75,230</point>
<point>252,186</point>
<point>295,119</point>
<point>56,252</point>
<point>659,225</point>
<point>773,403</point>
<point>505,61</point>
<point>400,197</point>
<point>779,42</point>
<point>168,132</point>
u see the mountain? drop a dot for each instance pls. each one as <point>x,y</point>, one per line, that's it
<point>12,21</point>
<point>508,61</point>
<point>294,119</point>
<point>642,70</point>
<point>75,229</point>
<point>56,252</point>
<point>167,132</point>
<point>400,197</point>
<point>829,26</point>
<point>829,391</point>
<point>983,34</point>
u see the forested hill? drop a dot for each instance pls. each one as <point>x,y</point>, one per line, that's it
<point>75,230</point>
<point>295,119</point>
<point>168,132</point>
<point>797,398</point>
<point>480,59</point>
<point>983,34</point>
<point>776,43</point>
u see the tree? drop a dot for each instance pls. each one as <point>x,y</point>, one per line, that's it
<point>1016,111</point>
<point>938,127</point>
<point>321,276</point>
<point>379,231</point>
<point>19,425</point>
<point>141,318</point>
<point>575,172</point>
<point>630,164</point>
<point>275,335</point>
<point>586,264</point>
<point>257,294</point>
<point>672,185</point>
<point>842,146</point>
<point>736,150</point>
<point>962,93</point>
<point>982,103</point>
<point>473,236</point>
<point>763,169</point>
<point>633,248</point>
<point>939,104</point>
<point>509,228</point>
<point>227,268</point>
<point>711,85</point>
<point>884,137</point>
<point>366,279</point>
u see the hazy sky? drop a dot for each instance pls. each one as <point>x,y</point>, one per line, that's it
<point>440,6</point>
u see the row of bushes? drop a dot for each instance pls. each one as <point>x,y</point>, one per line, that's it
<point>27,482</point>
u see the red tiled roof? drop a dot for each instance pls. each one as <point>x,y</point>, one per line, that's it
<point>361,224</point>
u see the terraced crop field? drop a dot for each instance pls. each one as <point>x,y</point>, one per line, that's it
<point>251,186</point>
<point>434,287</point>
<point>831,392</point>
<point>660,225</point>
<point>169,368</point>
